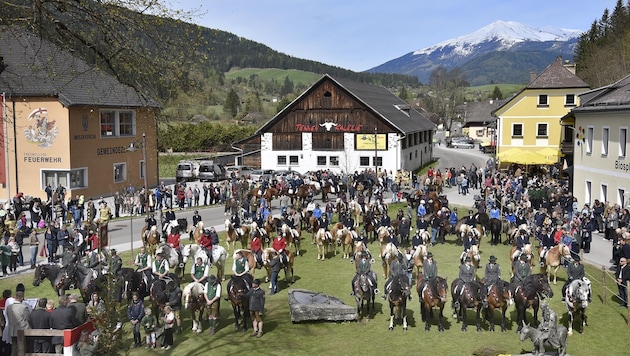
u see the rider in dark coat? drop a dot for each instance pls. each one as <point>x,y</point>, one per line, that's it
<point>575,271</point>
<point>522,269</point>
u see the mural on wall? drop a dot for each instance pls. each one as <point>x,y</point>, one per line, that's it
<point>41,129</point>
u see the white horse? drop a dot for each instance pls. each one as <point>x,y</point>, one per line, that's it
<point>219,255</point>
<point>576,299</point>
<point>194,301</point>
<point>171,256</point>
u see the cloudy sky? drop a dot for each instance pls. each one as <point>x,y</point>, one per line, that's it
<point>361,34</point>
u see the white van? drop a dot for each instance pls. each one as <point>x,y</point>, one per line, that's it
<point>187,170</point>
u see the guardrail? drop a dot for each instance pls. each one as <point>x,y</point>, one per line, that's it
<point>70,338</point>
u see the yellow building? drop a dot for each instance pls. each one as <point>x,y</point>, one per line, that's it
<point>66,123</point>
<point>601,166</point>
<point>528,124</point>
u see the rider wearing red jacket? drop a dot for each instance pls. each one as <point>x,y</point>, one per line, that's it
<point>280,244</point>
<point>255,245</point>
<point>173,239</point>
<point>205,241</point>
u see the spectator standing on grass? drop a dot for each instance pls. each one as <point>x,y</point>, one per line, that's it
<point>256,297</point>
<point>169,322</point>
<point>149,323</point>
<point>135,312</point>
<point>61,319</point>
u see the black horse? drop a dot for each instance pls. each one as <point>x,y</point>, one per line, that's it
<point>237,287</point>
<point>59,279</point>
<point>397,297</point>
<point>432,293</point>
<point>495,230</point>
<point>467,295</point>
<point>132,282</point>
<point>528,293</point>
<point>158,292</point>
<point>88,281</point>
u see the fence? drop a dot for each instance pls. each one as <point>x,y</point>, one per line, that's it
<point>70,338</point>
<point>607,277</point>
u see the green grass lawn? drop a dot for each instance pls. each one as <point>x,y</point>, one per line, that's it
<point>603,335</point>
<point>298,77</point>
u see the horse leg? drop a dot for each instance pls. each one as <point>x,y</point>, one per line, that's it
<point>462,316</point>
<point>237,316</point>
<point>555,275</point>
<point>583,324</point>
<point>391,317</point>
<point>504,309</point>
<point>490,317</point>
<point>479,317</point>
<point>403,313</point>
<point>570,326</point>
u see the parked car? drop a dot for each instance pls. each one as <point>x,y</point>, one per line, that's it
<point>239,171</point>
<point>461,142</point>
<point>260,174</point>
<point>285,173</point>
<point>208,171</point>
<point>186,170</point>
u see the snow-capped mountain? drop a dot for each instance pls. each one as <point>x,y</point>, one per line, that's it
<point>536,48</point>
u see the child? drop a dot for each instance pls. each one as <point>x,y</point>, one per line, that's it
<point>15,251</point>
<point>149,321</point>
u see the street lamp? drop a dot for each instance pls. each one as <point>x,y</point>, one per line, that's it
<point>375,155</point>
<point>132,148</point>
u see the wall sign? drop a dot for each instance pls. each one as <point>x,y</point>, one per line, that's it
<point>328,127</point>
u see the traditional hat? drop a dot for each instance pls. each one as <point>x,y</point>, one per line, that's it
<point>523,257</point>
<point>493,258</point>
<point>467,259</point>
<point>430,254</point>
<point>212,278</point>
<point>256,281</point>
<point>576,258</point>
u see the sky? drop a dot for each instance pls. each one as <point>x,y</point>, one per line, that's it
<point>362,34</point>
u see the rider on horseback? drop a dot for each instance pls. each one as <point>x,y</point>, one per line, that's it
<point>206,241</point>
<point>547,243</point>
<point>348,222</point>
<point>495,213</point>
<point>492,273</point>
<point>240,268</point>
<point>471,220</point>
<point>364,268</point>
<point>173,240</point>
<point>429,270</point>
<point>279,244</point>
<point>115,263</point>
<point>143,265</point>
<point>168,217</point>
<point>466,274</point>
<point>468,244</point>
<point>397,268</point>
<point>317,214</point>
<point>255,245</point>
<point>235,221</point>
<point>150,220</point>
<point>575,271</point>
<point>199,271</point>
<point>521,240</point>
<point>160,267</point>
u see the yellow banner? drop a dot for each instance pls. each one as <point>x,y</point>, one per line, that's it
<point>366,142</point>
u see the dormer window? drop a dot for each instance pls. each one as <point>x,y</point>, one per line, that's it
<point>404,108</point>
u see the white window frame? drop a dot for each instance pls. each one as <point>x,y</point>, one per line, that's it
<point>605,140</point>
<point>64,178</point>
<point>566,101</point>
<point>590,132</point>
<point>540,124</point>
<point>334,161</point>
<point>119,172</point>
<point>603,193</point>
<point>623,142</point>
<point>543,105</point>
<point>588,193</point>
<point>116,124</point>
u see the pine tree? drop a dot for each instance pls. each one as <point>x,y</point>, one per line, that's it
<point>232,103</point>
<point>496,94</point>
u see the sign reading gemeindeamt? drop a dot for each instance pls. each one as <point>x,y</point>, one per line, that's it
<point>365,142</point>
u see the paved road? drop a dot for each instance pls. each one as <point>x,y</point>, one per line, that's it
<point>124,233</point>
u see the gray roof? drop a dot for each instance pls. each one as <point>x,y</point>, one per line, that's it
<point>557,76</point>
<point>379,100</point>
<point>35,67</point>
<point>608,98</point>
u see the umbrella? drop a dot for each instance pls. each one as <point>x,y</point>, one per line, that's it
<point>516,155</point>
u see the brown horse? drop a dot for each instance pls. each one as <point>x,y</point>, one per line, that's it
<point>554,258</point>
<point>328,188</point>
<point>342,236</point>
<point>433,293</point>
<point>499,297</point>
<point>268,254</point>
<point>313,226</point>
<point>150,239</point>
<point>232,235</point>
<point>251,260</point>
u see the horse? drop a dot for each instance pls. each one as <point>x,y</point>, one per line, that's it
<point>576,300</point>
<point>554,258</point>
<point>293,237</point>
<point>527,293</point>
<point>369,226</point>
<point>495,231</point>
<point>467,295</point>
<point>343,237</point>
<point>195,232</point>
<point>473,253</point>
<point>268,254</point>
<point>328,188</point>
<point>232,235</point>
<point>527,251</point>
<point>133,282</point>
<point>195,301</point>
<point>559,343</point>
<point>355,211</point>
<point>419,255</point>
<point>364,291</point>
<point>389,252</point>
<point>397,297</point>
<point>150,239</point>
<point>499,297</point>
<point>58,277</point>
<point>158,294</point>
<point>219,255</point>
<point>313,227</point>
<point>432,293</point>
<point>323,240</point>
<point>174,258</point>
<point>240,305</point>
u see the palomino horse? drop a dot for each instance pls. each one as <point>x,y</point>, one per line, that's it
<point>576,299</point>
<point>151,239</point>
<point>59,279</point>
<point>293,238</point>
<point>528,332</point>
<point>195,302</point>
<point>232,235</point>
<point>195,232</point>
<point>527,293</point>
<point>355,211</point>
<point>554,259</point>
<point>499,297</point>
<point>268,254</point>
<point>389,253</point>
<point>364,291</point>
<point>433,293</point>
<point>419,255</point>
<point>342,236</point>
<point>467,295</point>
<point>324,242</point>
<point>237,289</point>
<point>313,227</point>
<point>515,255</point>
<point>397,297</point>
<point>473,253</point>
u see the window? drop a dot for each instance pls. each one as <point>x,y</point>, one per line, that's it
<point>604,193</point>
<point>623,137</point>
<point>293,160</point>
<point>321,160</point>
<point>120,172</point>
<point>543,100</point>
<point>410,156</point>
<point>569,100</point>
<point>620,197</point>
<point>76,178</point>
<point>117,123</point>
<point>334,161</point>
<point>589,140</point>
<point>282,160</point>
<point>605,135</point>
<point>517,130</point>
<point>588,193</point>
<point>541,130</point>
<point>379,162</point>
<point>364,161</point>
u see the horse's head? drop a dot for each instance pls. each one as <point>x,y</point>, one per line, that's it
<point>228,224</point>
<point>441,288</point>
<point>185,253</point>
<point>40,275</point>
<point>580,293</point>
<point>543,286</point>
<point>285,228</point>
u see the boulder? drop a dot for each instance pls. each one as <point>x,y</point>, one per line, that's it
<point>307,305</point>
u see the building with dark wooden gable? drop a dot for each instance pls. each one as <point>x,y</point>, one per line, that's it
<point>343,126</point>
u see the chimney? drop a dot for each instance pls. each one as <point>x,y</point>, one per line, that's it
<point>532,75</point>
<point>570,66</point>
